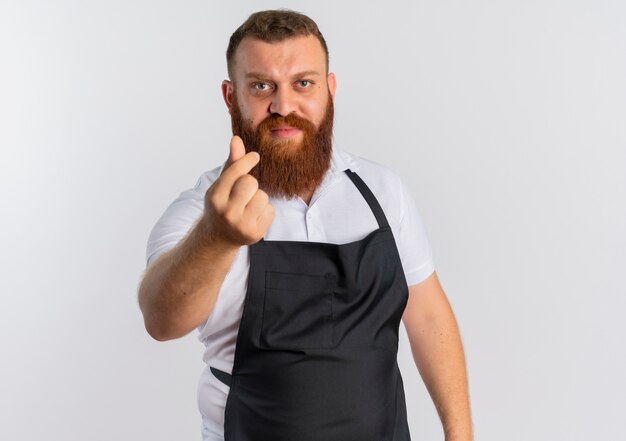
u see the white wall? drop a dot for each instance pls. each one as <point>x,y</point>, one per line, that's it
<point>506,119</point>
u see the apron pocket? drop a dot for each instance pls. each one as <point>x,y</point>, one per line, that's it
<point>298,311</point>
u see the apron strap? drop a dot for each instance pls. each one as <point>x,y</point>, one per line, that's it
<point>369,198</point>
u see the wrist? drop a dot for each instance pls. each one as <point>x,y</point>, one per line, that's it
<point>464,434</point>
<point>467,437</point>
<point>205,236</point>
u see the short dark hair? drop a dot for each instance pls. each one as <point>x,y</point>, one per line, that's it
<point>272,26</point>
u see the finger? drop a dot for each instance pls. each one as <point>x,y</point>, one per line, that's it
<point>237,151</point>
<point>265,219</point>
<point>242,192</point>
<point>229,176</point>
<point>259,216</point>
<point>256,205</point>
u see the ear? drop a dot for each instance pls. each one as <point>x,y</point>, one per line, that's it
<point>332,84</point>
<point>228,89</point>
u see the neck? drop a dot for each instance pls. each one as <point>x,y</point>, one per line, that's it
<point>306,196</point>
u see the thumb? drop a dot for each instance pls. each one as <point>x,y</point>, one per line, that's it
<point>237,150</point>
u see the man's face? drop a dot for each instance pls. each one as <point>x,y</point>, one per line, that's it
<point>280,101</point>
<point>285,77</point>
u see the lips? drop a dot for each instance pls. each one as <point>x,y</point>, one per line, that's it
<point>285,131</point>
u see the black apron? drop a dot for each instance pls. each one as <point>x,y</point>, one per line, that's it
<point>316,353</point>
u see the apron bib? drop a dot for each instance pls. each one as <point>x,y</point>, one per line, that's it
<point>316,353</point>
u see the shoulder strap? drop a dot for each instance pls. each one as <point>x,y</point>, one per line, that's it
<point>369,198</point>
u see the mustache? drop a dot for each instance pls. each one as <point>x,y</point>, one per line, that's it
<point>275,121</point>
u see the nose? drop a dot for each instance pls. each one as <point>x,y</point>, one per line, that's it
<point>283,102</point>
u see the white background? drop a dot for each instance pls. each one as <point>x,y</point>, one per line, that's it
<point>507,119</point>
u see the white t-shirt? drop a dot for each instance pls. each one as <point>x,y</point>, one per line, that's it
<point>336,214</point>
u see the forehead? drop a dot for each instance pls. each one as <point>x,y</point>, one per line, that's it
<point>280,58</point>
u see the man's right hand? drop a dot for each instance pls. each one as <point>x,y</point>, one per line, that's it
<point>236,211</point>
<point>179,289</point>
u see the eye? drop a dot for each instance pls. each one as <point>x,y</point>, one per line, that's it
<point>303,84</point>
<point>258,88</point>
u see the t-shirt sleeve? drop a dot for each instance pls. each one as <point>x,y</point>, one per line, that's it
<point>413,246</point>
<point>179,218</point>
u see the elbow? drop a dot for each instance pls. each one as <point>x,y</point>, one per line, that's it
<point>162,327</point>
<point>161,331</point>
<point>157,331</point>
<point>157,324</point>
<point>152,319</point>
<point>163,318</point>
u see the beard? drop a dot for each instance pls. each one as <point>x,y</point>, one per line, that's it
<point>287,167</point>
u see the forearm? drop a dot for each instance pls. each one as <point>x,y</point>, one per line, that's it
<point>179,289</point>
<point>438,353</point>
<point>440,360</point>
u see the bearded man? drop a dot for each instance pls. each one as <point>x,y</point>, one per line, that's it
<point>296,262</point>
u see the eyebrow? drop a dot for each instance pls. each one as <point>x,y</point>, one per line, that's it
<point>261,76</point>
